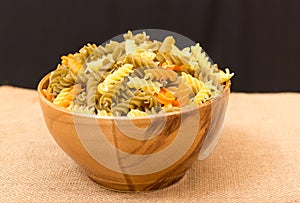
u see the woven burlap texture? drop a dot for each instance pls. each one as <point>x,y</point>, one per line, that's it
<point>256,160</point>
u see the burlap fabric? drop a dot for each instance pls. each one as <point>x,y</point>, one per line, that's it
<point>256,160</point>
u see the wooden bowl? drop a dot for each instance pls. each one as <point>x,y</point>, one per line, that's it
<point>135,154</point>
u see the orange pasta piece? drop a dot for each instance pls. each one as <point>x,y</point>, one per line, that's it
<point>177,68</point>
<point>47,93</point>
<point>71,62</point>
<point>166,97</point>
<point>173,67</point>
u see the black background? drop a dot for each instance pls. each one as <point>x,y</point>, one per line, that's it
<point>258,39</point>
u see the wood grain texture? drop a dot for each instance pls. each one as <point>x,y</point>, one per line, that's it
<point>125,168</point>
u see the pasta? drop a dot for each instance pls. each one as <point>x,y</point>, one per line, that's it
<point>114,78</point>
<point>60,79</point>
<point>193,82</point>
<point>82,109</point>
<point>107,99</point>
<point>92,92</point>
<point>143,84</point>
<point>138,38</point>
<point>183,92</point>
<point>170,59</point>
<point>161,74</point>
<point>154,110</point>
<point>103,113</point>
<point>135,77</point>
<point>166,45</point>
<point>202,95</point>
<point>137,61</point>
<point>66,96</point>
<point>81,98</point>
<point>136,112</point>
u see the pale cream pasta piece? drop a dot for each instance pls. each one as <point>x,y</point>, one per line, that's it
<point>82,109</point>
<point>167,44</point>
<point>161,74</point>
<point>143,84</point>
<point>201,56</point>
<point>136,112</point>
<point>130,47</point>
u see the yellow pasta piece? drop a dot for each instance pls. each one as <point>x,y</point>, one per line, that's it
<point>67,95</point>
<point>114,78</point>
<point>202,95</point>
<point>149,55</point>
<point>225,76</point>
<point>194,82</point>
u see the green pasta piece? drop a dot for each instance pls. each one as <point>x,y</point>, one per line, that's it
<point>59,79</point>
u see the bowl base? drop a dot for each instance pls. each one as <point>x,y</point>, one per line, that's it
<point>136,187</point>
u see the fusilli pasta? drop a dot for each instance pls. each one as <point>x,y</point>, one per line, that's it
<point>135,77</point>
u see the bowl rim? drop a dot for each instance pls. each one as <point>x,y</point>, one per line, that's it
<point>190,108</point>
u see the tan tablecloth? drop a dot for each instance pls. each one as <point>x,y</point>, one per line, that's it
<point>256,160</point>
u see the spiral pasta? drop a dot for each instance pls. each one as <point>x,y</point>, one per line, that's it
<point>107,99</point>
<point>122,109</point>
<point>193,82</point>
<point>60,79</point>
<point>153,110</point>
<point>183,92</point>
<point>114,78</point>
<point>101,64</point>
<point>83,109</point>
<point>66,96</point>
<point>81,98</point>
<point>138,61</point>
<point>71,62</point>
<point>143,84</point>
<point>161,74</point>
<point>92,91</point>
<point>167,44</point>
<point>224,76</point>
<point>201,56</point>
<point>172,61</point>
<point>138,38</point>
<point>85,52</point>
<point>139,72</point>
<point>170,109</point>
<point>135,77</point>
<point>202,95</point>
<point>136,112</point>
<point>103,113</point>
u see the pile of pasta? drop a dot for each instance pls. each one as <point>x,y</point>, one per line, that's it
<point>135,77</point>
